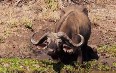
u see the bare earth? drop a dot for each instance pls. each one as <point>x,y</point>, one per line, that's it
<point>19,21</point>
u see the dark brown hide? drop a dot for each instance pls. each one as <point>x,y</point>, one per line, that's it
<point>75,20</point>
<point>73,31</point>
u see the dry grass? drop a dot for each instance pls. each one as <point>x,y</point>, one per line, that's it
<point>16,22</point>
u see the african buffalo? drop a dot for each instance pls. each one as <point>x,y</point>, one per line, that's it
<point>69,41</point>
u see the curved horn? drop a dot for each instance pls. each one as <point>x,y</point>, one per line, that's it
<point>39,41</point>
<point>69,41</point>
<point>82,40</point>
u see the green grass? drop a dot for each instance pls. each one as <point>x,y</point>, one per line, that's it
<point>111,50</point>
<point>17,65</point>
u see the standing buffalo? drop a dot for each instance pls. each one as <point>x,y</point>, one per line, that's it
<point>69,41</point>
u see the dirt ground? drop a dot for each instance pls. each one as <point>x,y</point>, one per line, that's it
<point>19,19</point>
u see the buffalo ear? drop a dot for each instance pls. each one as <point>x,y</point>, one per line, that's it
<point>36,39</point>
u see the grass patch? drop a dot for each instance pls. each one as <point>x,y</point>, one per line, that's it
<point>7,32</point>
<point>52,4</point>
<point>27,23</point>
<point>110,50</point>
<point>12,23</point>
<point>15,65</point>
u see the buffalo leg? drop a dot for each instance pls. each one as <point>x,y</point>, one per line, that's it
<point>88,53</point>
<point>84,50</point>
<point>79,57</point>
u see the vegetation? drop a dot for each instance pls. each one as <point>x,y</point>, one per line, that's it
<point>16,65</point>
<point>51,4</point>
<point>107,49</point>
<point>14,18</point>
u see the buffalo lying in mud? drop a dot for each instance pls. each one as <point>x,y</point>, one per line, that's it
<point>69,41</point>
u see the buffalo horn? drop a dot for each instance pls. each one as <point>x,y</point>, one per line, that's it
<point>68,41</point>
<point>39,41</point>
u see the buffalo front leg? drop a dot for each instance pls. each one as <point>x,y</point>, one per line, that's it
<point>79,57</point>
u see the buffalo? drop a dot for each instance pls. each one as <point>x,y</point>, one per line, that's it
<point>69,41</point>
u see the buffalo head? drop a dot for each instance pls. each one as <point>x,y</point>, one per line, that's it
<point>55,42</point>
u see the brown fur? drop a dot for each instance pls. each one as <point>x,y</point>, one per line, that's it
<point>75,21</point>
<point>72,8</point>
